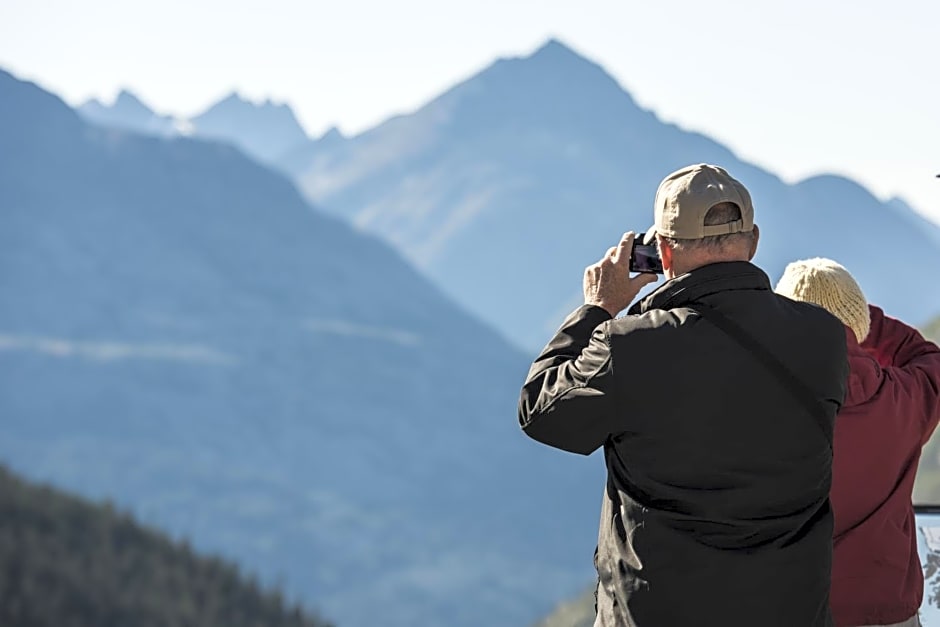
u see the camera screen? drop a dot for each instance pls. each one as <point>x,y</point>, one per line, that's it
<point>645,258</point>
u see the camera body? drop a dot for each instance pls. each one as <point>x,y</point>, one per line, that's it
<point>645,257</point>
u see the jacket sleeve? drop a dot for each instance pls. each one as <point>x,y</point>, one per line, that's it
<point>911,367</point>
<point>567,399</point>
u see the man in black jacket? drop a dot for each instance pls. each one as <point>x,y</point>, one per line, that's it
<point>714,400</point>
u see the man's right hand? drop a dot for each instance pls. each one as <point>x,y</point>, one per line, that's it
<point>608,283</point>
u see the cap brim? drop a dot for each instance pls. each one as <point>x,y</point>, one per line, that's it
<point>650,236</point>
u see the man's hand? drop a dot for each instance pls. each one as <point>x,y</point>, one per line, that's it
<point>608,283</point>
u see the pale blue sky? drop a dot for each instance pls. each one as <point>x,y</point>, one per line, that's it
<point>799,87</point>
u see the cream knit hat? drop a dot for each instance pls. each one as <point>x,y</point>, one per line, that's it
<point>826,283</point>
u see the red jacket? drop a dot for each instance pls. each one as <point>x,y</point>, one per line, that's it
<point>891,409</point>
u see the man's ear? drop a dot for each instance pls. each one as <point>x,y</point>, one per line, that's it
<point>665,253</point>
<point>754,243</point>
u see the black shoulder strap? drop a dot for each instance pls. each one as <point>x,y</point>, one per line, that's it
<point>797,388</point>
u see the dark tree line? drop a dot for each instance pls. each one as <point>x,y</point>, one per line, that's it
<point>67,563</point>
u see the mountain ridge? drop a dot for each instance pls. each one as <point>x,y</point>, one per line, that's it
<point>264,131</point>
<point>544,163</point>
<point>128,112</point>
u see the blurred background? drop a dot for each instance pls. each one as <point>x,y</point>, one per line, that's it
<point>272,275</point>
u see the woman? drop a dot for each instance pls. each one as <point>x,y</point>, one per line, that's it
<point>891,408</point>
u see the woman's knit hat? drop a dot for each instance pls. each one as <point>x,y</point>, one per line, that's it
<point>826,283</point>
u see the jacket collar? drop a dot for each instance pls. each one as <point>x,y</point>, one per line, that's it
<point>701,282</point>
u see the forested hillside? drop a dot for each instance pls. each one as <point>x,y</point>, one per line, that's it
<point>65,562</point>
<point>932,330</point>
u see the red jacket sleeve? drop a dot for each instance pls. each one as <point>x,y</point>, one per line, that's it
<point>911,367</point>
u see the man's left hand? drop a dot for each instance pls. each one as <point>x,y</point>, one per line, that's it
<point>608,283</point>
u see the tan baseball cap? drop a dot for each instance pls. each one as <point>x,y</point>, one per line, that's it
<point>686,195</point>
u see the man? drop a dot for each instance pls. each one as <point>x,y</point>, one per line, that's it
<point>716,509</point>
<point>891,410</point>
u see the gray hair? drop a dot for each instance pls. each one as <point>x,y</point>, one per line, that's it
<point>722,213</point>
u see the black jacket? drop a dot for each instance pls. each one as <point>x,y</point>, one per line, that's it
<point>716,510</point>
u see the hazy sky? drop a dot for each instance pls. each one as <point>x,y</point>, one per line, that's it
<point>799,87</point>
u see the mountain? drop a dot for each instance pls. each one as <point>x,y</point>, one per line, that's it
<point>127,112</point>
<point>296,160</point>
<point>64,561</point>
<point>931,229</point>
<point>506,186</point>
<point>264,131</point>
<point>183,334</point>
